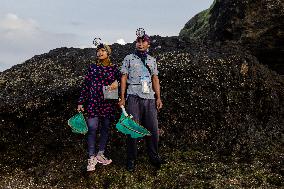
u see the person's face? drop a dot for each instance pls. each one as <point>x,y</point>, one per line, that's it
<point>102,54</point>
<point>142,45</point>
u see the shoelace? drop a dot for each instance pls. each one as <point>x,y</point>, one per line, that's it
<point>104,158</point>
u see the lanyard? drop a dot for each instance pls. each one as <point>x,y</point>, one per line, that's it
<point>145,72</point>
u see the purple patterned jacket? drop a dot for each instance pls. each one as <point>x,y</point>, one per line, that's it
<point>92,90</point>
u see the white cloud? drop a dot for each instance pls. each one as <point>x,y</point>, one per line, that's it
<point>22,38</point>
<point>121,41</point>
<point>13,22</point>
<point>84,46</point>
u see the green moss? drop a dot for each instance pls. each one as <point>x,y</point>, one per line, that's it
<point>198,26</point>
<point>185,169</point>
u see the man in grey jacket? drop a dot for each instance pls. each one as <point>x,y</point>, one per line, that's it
<point>139,72</point>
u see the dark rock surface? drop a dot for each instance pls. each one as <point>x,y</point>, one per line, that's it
<point>218,100</point>
<point>257,25</point>
<point>222,118</point>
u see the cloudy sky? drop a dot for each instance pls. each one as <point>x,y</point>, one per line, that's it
<point>32,27</point>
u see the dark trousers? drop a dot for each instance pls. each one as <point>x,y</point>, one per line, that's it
<point>145,112</point>
<point>93,124</point>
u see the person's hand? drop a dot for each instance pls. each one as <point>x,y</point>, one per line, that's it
<point>80,108</point>
<point>121,102</point>
<point>159,103</point>
<point>113,86</point>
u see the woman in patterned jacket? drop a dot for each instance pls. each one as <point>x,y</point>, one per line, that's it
<point>102,73</point>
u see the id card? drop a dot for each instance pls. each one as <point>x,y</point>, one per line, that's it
<point>145,86</point>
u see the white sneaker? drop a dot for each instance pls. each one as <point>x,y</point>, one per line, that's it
<point>103,160</point>
<point>92,162</point>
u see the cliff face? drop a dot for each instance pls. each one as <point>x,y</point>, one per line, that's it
<point>256,25</point>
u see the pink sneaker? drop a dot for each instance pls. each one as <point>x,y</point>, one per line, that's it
<point>92,164</point>
<point>103,160</point>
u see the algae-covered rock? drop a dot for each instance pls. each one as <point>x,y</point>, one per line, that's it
<point>218,100</point>
<point>222,119</point>
<point>257,25</point>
